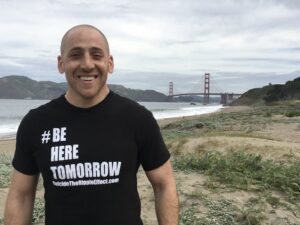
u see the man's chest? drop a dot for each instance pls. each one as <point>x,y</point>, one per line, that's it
<point>81,153</point>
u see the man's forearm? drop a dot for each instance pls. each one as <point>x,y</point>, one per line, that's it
<point>18,210</point>
<point>167,206</point>
<point>20,199</point>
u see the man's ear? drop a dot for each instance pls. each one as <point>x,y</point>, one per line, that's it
<point>111,64</point>
<point>60,64</point>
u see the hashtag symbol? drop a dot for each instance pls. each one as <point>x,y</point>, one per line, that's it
<point>46,136</point>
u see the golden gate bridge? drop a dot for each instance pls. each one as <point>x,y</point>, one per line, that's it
<point>225,97</point>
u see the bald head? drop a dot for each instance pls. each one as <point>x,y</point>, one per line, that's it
<point>78,27</point>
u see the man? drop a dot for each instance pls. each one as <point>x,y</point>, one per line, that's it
<point>88,145</point>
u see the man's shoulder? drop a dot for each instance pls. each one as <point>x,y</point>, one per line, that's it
<point>39,115</point>
<point>46,108</point>
<point>127,105</point>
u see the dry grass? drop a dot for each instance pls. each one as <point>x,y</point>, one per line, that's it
<point>219,191</point>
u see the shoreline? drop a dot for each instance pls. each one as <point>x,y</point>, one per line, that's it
<point>226,109</point>
<point>11,121</point>
<point>7,143</point>
<point>161,122</point>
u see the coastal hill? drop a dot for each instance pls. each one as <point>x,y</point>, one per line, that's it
<point>270,93</point>
<point>22,87</point>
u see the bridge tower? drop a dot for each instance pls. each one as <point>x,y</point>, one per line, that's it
<point>206,88</point>
<point>224,98</point>
<point>171,88</point>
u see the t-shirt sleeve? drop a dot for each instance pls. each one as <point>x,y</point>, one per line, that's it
<point>152,150</point>
<point>23,159</point>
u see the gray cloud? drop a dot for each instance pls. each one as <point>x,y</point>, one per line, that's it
<point>154,42</point>
<point>267,60</point>
<point>296,49</point>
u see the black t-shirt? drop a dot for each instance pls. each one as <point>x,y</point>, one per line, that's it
<point>89,158</point>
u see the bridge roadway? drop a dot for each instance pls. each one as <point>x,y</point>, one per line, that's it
<point>189,94</point>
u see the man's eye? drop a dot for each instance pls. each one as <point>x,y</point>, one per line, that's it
<point>74,55</point>
<point>98,55</point>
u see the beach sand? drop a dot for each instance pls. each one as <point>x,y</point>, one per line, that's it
<point>7,146</point>
<point>277,140</point>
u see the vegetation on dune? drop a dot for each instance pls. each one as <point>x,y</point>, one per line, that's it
<point>220,212</point>
<point>5,170</point>
<point>274,184</point>
<point>244,123</point>
<point>292,113</point>
<point>38,211</point>
<point>241,170</point>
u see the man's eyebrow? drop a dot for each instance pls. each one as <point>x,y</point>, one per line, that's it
<point>97,49</point>
<point>80,49</point>
<point>75,49</point>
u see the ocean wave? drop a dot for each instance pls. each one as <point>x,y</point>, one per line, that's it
<point>186,111</point>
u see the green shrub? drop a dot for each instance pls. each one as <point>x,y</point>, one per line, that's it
<point>38,211</point>
<point>241,169</point>
<point>292,113</point>
<point>5,170</point>
<point>188,217</point>
<point>191,162</point>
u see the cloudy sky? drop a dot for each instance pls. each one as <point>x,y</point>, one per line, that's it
<point>241,43</point>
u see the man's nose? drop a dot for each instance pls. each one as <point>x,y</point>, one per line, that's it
<point>87,63</point>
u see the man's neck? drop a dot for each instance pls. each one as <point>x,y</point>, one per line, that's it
<point>86,102</point>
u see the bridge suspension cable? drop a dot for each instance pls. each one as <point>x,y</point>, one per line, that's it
<point>215,87</point>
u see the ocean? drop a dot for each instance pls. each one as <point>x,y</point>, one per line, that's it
<point>12,111</point>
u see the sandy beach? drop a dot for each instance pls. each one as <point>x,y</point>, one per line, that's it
<point>264,132</point>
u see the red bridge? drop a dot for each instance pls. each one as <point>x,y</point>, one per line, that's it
<point>225,97</point>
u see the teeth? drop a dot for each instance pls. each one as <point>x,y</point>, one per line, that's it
<point>86,78</point>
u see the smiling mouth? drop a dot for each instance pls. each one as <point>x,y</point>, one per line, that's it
<point>87,78</point>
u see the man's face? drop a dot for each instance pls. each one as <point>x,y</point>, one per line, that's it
<point>86,62</point>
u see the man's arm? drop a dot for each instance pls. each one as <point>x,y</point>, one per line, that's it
<point>166,199</point>
<point>20,199</point>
